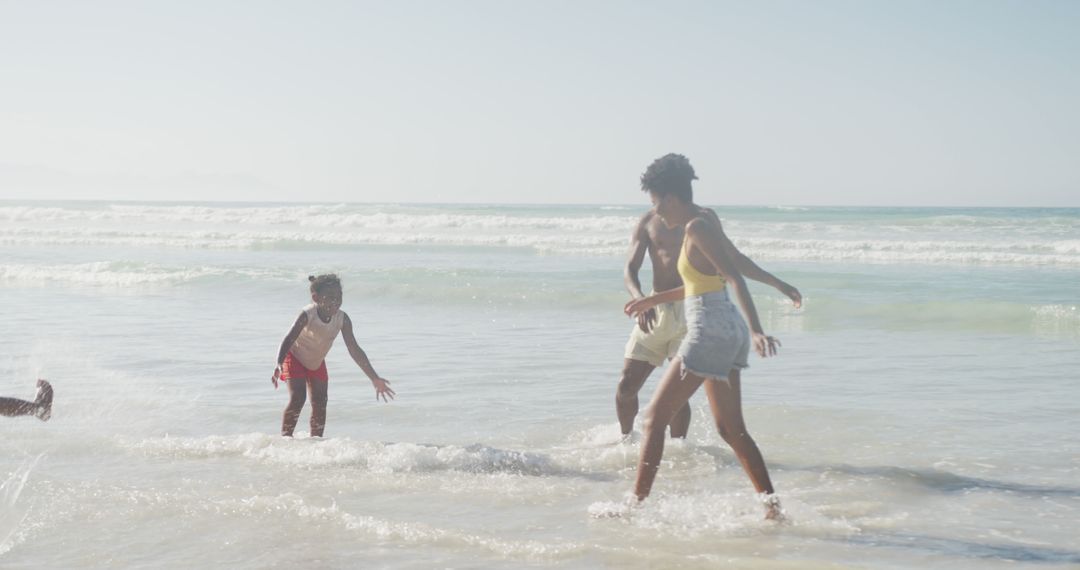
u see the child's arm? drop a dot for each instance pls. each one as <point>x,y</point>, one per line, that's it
<point>382,385</point>
<point>286,345</point>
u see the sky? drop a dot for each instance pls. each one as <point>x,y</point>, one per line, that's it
<point>956,103</point>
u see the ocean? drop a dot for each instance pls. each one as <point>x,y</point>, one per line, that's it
<point>923,410</point>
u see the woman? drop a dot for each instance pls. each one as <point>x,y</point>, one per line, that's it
<point>717,342</point>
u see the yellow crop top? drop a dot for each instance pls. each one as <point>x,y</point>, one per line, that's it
<point>696,282</point>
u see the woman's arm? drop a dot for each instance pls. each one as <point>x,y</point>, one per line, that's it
<point>636,307</point>
<point>751,270</point>
<point>286,345</point>
<point>708,238</point>
<point>382,385</point>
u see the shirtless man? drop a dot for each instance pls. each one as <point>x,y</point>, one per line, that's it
<point>658,332</point>
<point>40,407</point>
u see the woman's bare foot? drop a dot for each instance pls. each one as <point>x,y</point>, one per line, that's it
<point>773,510</point>
<point>43,401</point>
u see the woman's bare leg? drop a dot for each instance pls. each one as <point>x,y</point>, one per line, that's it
<point>318,406</point>
<point>725,401</point>
<point>672,394</point>
<point>297,396</point>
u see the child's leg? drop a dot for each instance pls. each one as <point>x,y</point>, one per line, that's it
<point>318,406</point>
<point>44,400</point>
<point>297,396</point>
<point>40,407</point>
<point>15,407</point>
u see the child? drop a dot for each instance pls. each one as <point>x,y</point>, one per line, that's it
<point>40,407</point>
<point>300,359</point>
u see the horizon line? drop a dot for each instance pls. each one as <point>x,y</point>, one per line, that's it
<point>518,204</point>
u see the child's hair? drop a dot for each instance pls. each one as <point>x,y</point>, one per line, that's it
<point>670,174</point>
<point>323,281</point>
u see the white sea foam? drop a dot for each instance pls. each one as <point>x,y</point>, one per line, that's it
<point>14,514</point>
<point>951,239</point>
<point>122,274</point>
<point>1063,253</point>
<point>345,452</point>
<point>729,515</point>
<point>338,217</point>
<point>546,243</point>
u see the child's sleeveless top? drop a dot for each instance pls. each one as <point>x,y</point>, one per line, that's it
<point>317,337</point>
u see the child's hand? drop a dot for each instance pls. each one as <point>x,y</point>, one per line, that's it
<point>382,389</point>
<point>277,375</point>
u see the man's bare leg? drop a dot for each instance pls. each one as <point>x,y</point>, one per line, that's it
<point>634,374</point>
<point>40,407</point>
<point>725,400</point>
<point>680,424</point>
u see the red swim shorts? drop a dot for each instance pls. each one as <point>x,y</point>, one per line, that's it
<point>292,369</point>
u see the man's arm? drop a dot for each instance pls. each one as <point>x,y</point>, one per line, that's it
<point>639,246</point>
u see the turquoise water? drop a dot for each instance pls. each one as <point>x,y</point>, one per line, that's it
<point>923,409</point>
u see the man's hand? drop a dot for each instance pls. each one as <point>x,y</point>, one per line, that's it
<point>382,389</point>
<point>646,320</point>
<point>277,376</point>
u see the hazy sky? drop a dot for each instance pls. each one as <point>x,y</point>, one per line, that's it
<point>850,103</point>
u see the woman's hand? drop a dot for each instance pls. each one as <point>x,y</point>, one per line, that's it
<point>793,294</point>
<point>639,306</point>
<point>765,345</point>
<point>382,389</point>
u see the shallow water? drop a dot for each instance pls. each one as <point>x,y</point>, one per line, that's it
<point>922,412</point>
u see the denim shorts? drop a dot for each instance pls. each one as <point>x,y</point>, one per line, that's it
<point>717,339</point>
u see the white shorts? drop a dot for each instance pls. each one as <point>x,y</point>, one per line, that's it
<point>663,341</point>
